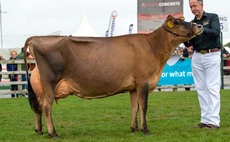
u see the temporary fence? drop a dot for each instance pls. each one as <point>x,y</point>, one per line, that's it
<point>6,83</point>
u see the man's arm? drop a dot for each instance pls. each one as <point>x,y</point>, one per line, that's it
<point>214,29</point>
<point>188,43</point>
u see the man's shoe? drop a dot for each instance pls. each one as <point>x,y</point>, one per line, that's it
<point>201,125</point>
<point>211,126</point>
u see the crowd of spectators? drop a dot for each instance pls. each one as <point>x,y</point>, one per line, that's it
<point>14,67</point>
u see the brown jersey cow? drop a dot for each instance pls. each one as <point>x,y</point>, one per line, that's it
<point>97,67</point>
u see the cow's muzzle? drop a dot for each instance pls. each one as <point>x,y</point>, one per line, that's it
<point>200,29</point>
<point>197,30</point>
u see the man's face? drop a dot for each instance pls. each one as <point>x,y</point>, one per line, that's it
<point>196,7</point>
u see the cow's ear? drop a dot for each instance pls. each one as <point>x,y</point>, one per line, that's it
<point>169,17</point>
<point>182,18</point>
<point>169,22</point>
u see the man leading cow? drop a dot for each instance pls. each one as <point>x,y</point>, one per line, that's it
<point>97,67</point>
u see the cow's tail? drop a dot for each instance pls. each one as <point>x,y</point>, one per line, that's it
<point>34,104</point>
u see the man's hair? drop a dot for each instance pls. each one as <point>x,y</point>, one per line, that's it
<point>200,1</point>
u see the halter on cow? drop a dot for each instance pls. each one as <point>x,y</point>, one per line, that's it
<point>97,67</point>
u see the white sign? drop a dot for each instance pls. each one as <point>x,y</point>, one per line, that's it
<point>223,23</point>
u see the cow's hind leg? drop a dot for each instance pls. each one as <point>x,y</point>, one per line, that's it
<point>47,109</point>
<point>134,107</point>
<point>143,92</point>
<point>35,103</point>
<point>38,118</point>
<point>38,123</point>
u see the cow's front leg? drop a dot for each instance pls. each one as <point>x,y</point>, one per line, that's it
<point>143,92</point>
<point>38,118</point>
<point>47,109</point>
<point>134,107</point>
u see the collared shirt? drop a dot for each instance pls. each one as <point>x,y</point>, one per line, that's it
<point>210,38</point>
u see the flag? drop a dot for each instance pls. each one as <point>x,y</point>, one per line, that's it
<point>111,27</point>
<point>107,33</point>
<point>130,28</point>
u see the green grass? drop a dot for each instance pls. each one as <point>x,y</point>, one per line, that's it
<point>171,117</point>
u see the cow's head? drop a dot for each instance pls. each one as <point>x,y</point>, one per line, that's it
<point>180,28</point>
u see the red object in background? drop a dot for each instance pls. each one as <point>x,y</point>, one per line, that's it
<point>227,63</point>
<point>227,71</point>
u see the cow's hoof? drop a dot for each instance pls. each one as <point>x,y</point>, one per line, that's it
<point>38,131</point>
<point>146,132</point>
<point>53,135</point>
<point>134,129</point>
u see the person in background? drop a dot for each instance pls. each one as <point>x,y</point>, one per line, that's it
<point>187,52</point>
<point>206,65</point>
<point>226,54</point>
<point>31,66</point>
<point>13,67</point>
<point>1,58</point>
<point>23,67</point>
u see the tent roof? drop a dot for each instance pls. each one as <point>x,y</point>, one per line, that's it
<point>85,28</point>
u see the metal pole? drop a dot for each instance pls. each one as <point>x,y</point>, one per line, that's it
<point>1,24</point>
<point>222,62</point>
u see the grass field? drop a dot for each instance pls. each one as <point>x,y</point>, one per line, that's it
<point>171,117</point>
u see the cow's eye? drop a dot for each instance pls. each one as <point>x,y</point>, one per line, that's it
<point>177,21</point>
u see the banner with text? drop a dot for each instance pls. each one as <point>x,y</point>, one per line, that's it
<point>178,74</point>
<point>152,13</point>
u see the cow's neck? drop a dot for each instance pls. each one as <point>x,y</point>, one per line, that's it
<point>164,42</point>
